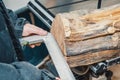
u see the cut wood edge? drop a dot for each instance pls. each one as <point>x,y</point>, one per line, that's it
<point>88,59</point>
<point>57,23</point>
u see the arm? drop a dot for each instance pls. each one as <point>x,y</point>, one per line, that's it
<point>23,71</point>
<point>18,23</point>
<point>23,27</point>
<point>20,70</point>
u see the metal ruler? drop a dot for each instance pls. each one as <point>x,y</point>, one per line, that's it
<point>55,53</point>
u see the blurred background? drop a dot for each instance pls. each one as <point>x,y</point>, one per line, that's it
<point>56,6</point>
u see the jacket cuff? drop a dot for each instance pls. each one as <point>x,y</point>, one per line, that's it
<point>19,26</point>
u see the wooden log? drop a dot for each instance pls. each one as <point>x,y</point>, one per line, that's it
<point>80,38</point>
<point>88,39</point>
<point>88,59</point>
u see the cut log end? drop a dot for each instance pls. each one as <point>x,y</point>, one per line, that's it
<point>59,33</point>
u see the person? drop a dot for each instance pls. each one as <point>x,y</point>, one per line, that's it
<point>10,67</point>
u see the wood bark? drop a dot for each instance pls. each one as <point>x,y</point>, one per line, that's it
<point>86,37</point>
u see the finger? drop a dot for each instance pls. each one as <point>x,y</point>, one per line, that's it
<point>32,46</point>
<point>58,78</point>
<point>38,44</point>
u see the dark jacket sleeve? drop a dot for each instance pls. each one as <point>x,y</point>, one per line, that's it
<point>18,23</point>
<point>19,71</point>
<point>23,71</point>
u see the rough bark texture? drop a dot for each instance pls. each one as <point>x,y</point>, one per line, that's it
<point>86,37</point>
<point>87,59</point>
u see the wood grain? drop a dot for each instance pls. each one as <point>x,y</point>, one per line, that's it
<point>86,37</point>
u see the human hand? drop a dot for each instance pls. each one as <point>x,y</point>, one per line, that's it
<point>30,29</point>
<point>58,78</point>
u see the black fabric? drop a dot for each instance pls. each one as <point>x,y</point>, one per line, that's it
<point>18,23</point>
<point>7,52</point>
<point>11,30</point>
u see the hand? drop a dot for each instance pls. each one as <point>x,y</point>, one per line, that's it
<point>30,29</point>
<point>58,78</point>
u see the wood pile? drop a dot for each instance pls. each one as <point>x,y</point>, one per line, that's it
<point>88,36</point>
